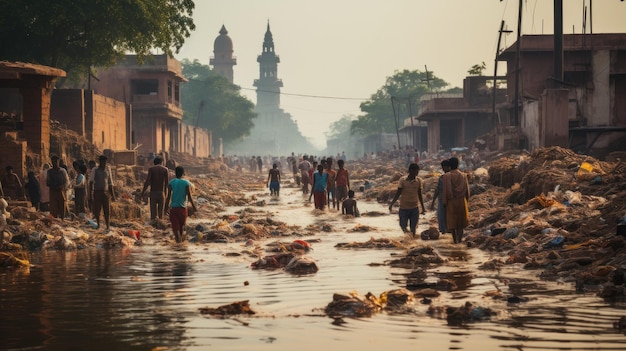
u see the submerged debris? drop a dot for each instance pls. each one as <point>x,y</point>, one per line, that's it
<point>239,307</point>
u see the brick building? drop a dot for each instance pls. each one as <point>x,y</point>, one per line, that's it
<point>103,121</point>
<point>25,91</point>
<point>152,88</point>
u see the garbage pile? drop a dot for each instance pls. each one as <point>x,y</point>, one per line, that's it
<point>556,211</point>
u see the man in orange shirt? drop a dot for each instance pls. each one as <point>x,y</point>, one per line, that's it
<point>410,192</point>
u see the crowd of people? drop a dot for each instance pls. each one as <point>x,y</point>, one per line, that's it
<point>90,186</point>
<point>325,180</point>
<point>328,186</point>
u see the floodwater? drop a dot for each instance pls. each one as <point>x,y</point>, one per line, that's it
<point>147,298</point>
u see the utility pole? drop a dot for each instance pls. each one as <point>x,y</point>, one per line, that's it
<point>495,70</point>
<point>428,79</point>
<point>412,126</point>
<point>590,16</point>
<point>517,64</point>
<point>558,42</point>
<point>395,119</point>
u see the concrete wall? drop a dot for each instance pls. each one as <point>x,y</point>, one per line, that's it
<point>68,107</point>
<point>434,136</point>
<point>196,141</point>
<point>531,124</point>
<point>100,119</point>
<point>555,122</point>
<point>109,122</point>
<point>601,112</point>
<point>36,115</point>
<point>145,133</point>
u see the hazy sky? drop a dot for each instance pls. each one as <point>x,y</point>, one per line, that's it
<point>336,53</point>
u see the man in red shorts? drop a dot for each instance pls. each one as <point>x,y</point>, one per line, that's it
<point>179,192</point>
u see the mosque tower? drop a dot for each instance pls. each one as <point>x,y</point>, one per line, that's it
<point>223,60</point>
<point>268,85</point>
<point>275,132</point>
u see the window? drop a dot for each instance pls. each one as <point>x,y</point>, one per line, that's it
<point>144,86</point>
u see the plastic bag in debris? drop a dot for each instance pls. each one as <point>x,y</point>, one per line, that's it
<point>587,171</point>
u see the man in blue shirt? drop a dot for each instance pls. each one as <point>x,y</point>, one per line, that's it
<point>318,190</point>
<point>179,192</point>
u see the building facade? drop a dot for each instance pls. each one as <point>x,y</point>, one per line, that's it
<point>152,88</point>
<point>223,60</point>
<point>274,132</point>
<point>25,92</point>
<point>103,121</point>
<point>456,120</point>
<point>587,110</point>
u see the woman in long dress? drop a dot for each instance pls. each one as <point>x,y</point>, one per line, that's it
<point>455,196</point>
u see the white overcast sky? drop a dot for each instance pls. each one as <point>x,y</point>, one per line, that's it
<point>339,52</point>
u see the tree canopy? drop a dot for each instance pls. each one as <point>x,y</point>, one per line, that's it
<point>477,69</point>
<point>75,35</point>
<point>341,128</point>
<point>403,87</point>
<point>210,101</point>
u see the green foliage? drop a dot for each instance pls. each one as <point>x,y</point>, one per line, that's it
<point>75,35</point>
<point>404,87</point>
<point>477,70</point>
<point>340,129</point>
<point>210,101</point>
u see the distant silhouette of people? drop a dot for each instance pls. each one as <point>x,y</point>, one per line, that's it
<point>273,180</point>
<point>57,182</point>
<point>259,162</point>
<point>80,189</point>
<point>90,165</point>
<point>44,205</point>
<point>331,188</point>
<point>33,189</point>
<point>342,181</point>
<point>12,185</point>
<point>304,166</point>
<point>101,189</point>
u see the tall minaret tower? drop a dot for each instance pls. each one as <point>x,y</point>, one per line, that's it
<point>223,61</point>
<point>268,85</point>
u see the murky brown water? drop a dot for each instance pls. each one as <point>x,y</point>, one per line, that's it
<point>148,297</point>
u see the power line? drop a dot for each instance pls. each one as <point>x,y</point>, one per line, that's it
<point>309,96</point>
<point>293,94</point>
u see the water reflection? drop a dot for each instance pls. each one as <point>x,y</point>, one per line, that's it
<point>148,297</point>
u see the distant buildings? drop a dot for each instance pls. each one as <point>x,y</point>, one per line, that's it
<point>25,92</point>
<point>274,131</point>
<point>223,60</point>
<point>458,120</point>
<point>587,110</point>
<point>152,88</point>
